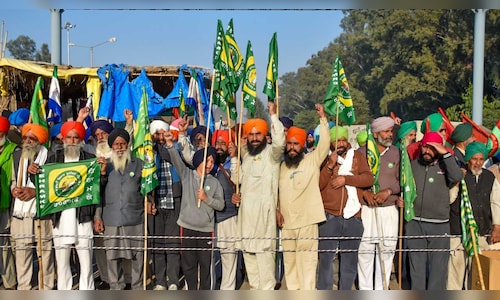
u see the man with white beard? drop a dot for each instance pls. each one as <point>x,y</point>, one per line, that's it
<point>73,226</point>
<point>123,211</point>
<point>7,263</point>
<point>24,210</point>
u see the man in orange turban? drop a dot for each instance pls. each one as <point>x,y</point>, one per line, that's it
<point>258,199</point>
<point>39,131</point>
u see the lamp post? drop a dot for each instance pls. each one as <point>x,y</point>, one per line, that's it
<point>91,48</point>
<point>68,26</point>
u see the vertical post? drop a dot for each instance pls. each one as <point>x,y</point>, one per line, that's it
<point>55,36</point>
<point>91,57</point>
<point>478,66</point>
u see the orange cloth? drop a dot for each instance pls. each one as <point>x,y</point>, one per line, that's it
<point>39,131</point>
<point>220,134</point>
<point>259,124</point>
<point>4,124</point>
<point>298,133</point>
<point>73,125</point>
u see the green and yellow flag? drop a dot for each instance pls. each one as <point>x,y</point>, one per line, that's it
<point>143,147</point>
<point>60,186</point>
<point>467,222</point>
<point>250,82</point>
<point>222,63</point>
<point>235,57</point>
<point>373,157</point>
<point>272,69</point>
<point>37,108</point>
<point>407,182</point>
<point>338,95</point>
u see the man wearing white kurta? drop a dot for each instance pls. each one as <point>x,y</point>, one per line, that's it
<point>259,196</point>
<point>301,205</point>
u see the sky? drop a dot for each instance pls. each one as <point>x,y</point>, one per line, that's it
<point>153,37</point>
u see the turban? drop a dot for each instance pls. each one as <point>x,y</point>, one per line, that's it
<point>406,128</point>
<point>259,124</point>
<point>39,131</point>
<point>175,123</point>
<point>361,137</point>
<point>382,123</point>
<point>198,156</point>
<point>286,121</point>
<point>157,125</point>
<point>118,132</point>
<point>334,135</point>
<point>100,124</point>
<point>432,137</point>
<point>4,125</point>
<point>310,132</point>
<point>475,148</point>
<point>73,125</point>
<point>435,121</point>
<point>223,134</point>
<point>55,130</point>
<point>19,117</point>
<point>199,129</point>
<point>461,133</point>
<point>298,133</point>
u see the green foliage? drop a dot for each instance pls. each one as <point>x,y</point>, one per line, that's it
<point>490,109</point>
<point>23,47</point>
<point>306,119</point>
<point>43,54</point>
<point>260,111</point>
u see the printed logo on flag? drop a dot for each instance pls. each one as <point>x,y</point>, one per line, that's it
<point>68,183</point>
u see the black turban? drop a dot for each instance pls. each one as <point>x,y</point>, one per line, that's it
<point>118,132</point>
<point>198,156</point>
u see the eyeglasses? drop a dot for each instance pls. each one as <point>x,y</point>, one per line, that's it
<point>442,130</point>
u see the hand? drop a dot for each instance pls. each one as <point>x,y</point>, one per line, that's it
<point>495,234</point>
<point>183,125</point>
<point>33,168</point>
<point>333,158</point>
<point>151,208</point>
<point>279,219</point>
<point>337,182</point>
<point>202,196</point>
<point>83,113</point>
<point>236,199</point>
<point>104,164</point>
<point>400,202</point>
<point>169,138</point>
<point>320,109</point>
<point>440,148</point>
<point>382,195</point>
<point>98,226</point>
<point>129,116</point>
<point>233,151</point>
<point>24,193</point>
<point>369,198</point>
<point>272,108</point>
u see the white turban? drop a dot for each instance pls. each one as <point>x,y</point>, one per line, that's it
<point>157,125</point>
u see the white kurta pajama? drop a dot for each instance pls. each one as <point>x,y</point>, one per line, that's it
<point>257,213</point>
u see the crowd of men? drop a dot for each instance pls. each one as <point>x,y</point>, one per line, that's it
<point>276,200</point>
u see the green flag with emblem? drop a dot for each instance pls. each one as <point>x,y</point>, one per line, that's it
<point>467,222</point>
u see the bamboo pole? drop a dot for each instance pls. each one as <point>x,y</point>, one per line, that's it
<point>229,123</point>
<point>239,149</point>
<point>400,255</point>
<point>476,256</point>
<point>145,259</point>
<point>277,99</point>
<point>206,134</point>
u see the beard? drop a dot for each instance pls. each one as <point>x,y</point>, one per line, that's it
<point>2,141</point>
<point>293,161</point>
<point>30,151</point>
<point>221,157</point>
<point>426,159</point>
<point>309,144</point>
<point>103,150</point>
<point>120,161</point>
<point>386,143</point>
<point>254,150</point>
<point>72,151</point>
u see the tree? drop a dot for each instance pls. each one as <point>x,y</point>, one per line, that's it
<point>260,111</point>
<point>23,47</point>
<point>43,54</point>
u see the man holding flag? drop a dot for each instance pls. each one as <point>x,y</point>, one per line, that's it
<point>435,172</point>
<point>482,192</point>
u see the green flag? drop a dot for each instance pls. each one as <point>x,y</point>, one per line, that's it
<point>467,222</point>
<point>373,157</point>
<point>272,70</point>
<point>407,182</point>
<point>60,186</point>
<point>222,63</point>
<point>235,57</point>
<point>143,147</point>
<point>249,82</point>
<point>338,94</point>
<point>37,108</point>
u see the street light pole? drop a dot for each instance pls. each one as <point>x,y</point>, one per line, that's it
<point>91,48</point>
<point>68,26</point>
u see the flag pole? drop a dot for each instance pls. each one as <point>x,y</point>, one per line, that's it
<point>229,122</point>
<point>206,133</point>
<point>476,256</point>
<point>277,98</point>
<point>239,149</point>
<point>400,255</point>
<point>144,279</point>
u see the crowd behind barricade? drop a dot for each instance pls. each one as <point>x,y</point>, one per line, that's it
<point>275,205</point>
